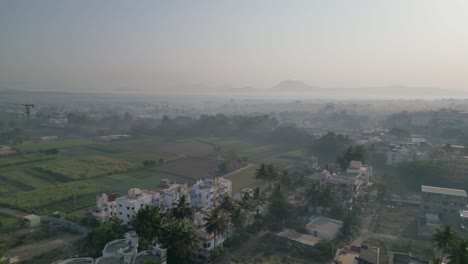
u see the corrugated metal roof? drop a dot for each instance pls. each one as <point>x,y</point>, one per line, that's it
<point>446,191</point>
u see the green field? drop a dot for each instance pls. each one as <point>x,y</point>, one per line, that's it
<point>7,219</point>
<point>58,144</point>
<point>69,181</point>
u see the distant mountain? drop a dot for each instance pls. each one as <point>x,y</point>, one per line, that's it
<point>294,86</point>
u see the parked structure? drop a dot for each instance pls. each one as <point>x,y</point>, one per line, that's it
<point>323,227</point>
<point>442,201</point>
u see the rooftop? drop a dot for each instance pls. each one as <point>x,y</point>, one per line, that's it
<point>446,191</point>
<point>325,225</point>
<point>298,237</point>
<point>464,214</point>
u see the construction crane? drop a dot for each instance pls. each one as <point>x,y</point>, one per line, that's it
<point>27,108</point>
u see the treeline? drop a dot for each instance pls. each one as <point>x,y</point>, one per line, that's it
<point>260,128</point>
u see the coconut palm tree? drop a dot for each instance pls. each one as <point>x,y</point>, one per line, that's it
<point>237,218</point>
<point>443,238</point>
<point>313,193</point>
<point>227,204</point>
<point>216,222</point>
<point>326,196</point>
<point>148,223</point>
<point>459,252</point>
<point>180,239</point>
<point>183,210</point>
<point>261,173</point>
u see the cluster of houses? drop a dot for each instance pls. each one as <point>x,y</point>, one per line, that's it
<point>203,196</point>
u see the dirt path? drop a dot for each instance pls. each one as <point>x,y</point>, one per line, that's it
<point>29,251</point>
<point>240,169</point>
<point>13,212</point>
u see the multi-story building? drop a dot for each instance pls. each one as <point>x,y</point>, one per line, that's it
<point>442,201</point>
<point>208,241</point>
<point>126,207</point>
<point>403,153</point>
<point>357,169</point>
<point>105,206</point>
<point>206,192</point>
<point>346,187</point>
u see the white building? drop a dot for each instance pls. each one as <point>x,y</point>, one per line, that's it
<point>204,193</point>
<point>346,188</point>
<point>403,153</point>
<point>357,169</point>
<point>126,207</point>
<point>323,227</point>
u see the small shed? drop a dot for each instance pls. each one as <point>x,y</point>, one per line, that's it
<point>33,220</point>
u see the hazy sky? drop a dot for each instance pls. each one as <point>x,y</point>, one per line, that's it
<point>154,44</point>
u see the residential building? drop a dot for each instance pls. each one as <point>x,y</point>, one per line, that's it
<point>208,241</point>
<point>206,192</point>
<point>301,240</point>
<point>405,258</point>
<point>464,219</point>
<point>363,254</point>
<point>357,169</point>
<point>347,187</point>
<point>442,201</point>
<point>124,251</point>
<point>128,206</point>
<point>105,206</point>
<point>323,227</point>
<point>6,151</point>
<point>402,153</point>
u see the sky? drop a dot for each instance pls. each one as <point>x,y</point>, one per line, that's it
<point>154,45</point>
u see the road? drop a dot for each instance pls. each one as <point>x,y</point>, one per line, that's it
<point>240,169</point>
<point>13,212</point>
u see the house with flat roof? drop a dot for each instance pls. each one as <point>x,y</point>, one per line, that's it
<point>299,239</point>
<point>323,227</point>
<point>442,201</point>
<point>363,254</point>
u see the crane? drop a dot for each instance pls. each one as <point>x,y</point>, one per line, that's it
<point>27,108</point>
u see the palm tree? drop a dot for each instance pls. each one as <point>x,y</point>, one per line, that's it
<point>443,238</point>
<point>459,252</point>
<point>271,172</point>
<point>183,210</point>
<point>180,239</point>
<point>216,222</point>
<point>246,203</point>
<point>285,178</point>
<point>261,173</point>
<point>326,196</point>
<point>227,204</point>
<point>237,217</point>
<point>148,223</point>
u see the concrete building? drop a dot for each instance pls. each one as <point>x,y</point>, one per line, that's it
<point>128,206</point>
<point>357,169</point>
<point>347,187</point>
<point>363,254</point>
<point>442,201</point>
<point>405,258</point>
<point>105,206</point>
<point>6,151</point>
<point>33,220</point>
<point>205,192</point>
<point>207,240</point>
<point>402,153</point>
<point>301,240</point>
<point>323,227</point>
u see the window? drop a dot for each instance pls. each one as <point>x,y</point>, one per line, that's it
<point>206,245</point>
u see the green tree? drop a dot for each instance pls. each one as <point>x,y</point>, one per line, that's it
<point>216,222</point>
<point>443,238</point>
<point>148,223</point>
<point>459,252</point>
<point>358,153</point>
<point>180,239</point>
<point>106,232</point>
<point>183,210</point>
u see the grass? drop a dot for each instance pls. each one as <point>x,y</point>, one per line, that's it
<point>22,159</point>
<point>58,144</point>
<point>398,221</point>
<point>83,168</point>
<point>244,179</point>
<point>6,219</point>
